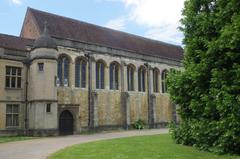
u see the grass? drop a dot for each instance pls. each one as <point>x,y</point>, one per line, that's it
<point>145,147</point>
<point>4,139</point>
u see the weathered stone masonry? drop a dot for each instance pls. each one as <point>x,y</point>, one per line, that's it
<point>48,107</point>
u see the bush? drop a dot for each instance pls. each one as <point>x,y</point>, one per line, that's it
<point>139,124</point>
<point>207,90</point>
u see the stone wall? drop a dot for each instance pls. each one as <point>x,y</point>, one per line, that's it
<point>138,107</point>
<point>111,107</point>
<point>11,96</point>
<point>68,97</point>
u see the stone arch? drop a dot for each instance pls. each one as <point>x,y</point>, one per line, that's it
<point>102,61</point>
<point>66,123</point>
<point>65,55</point>
<point>81,58</point>
<point>132,65</point>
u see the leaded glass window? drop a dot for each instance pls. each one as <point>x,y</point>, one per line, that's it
<point>114,81</point>
<point>80,73</point>
<point>155,80</point>
<point>63,71</point>
<point>100,75</point>
<point>141,79</point>
<point>164,82</point>
<point>130,77</point>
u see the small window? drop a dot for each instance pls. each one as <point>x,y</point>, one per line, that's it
<point>40,66</point>
<point>48,108</point>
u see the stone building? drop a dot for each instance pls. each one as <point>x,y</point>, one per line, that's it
<point>63,76</point>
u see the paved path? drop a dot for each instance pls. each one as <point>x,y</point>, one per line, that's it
<point>41,148</point>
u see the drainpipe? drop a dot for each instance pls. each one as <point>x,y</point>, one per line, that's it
<point>148,95</point>
<point>90,111</point>
<point>27,63</point>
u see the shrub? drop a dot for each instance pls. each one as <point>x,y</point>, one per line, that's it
<point>139,124</point>
<point>208,89</point>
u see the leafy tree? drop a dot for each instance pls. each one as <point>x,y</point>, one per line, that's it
<point>208,89</point>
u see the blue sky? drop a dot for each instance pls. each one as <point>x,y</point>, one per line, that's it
<point>156,19</point>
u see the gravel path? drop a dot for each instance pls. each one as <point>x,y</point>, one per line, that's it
<point>43,147</point>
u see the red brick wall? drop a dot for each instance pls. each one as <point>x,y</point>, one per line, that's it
<point>29,28</point>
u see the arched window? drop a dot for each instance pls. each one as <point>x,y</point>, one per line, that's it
<point>114,81</point>
<point>63,71</point>
<point>155,80</point>
<point>141,79</point>
<point>100,75</point>
<point>164,82</point>
<point>80,73</point>
<point>130,77</point>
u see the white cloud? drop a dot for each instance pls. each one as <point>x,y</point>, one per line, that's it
<point>17,2</point>
<point>159,17</point>
<point>117,24</point>
<point>154,13</point>
<point>166,34</point>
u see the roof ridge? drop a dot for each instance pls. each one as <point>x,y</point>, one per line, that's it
<point>105,28</point>
<point>14,36</point>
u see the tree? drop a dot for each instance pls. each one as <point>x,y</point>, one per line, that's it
<point>208,89</point>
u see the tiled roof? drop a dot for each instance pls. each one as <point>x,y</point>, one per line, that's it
<point>13,42</point>
<point>68,28</point>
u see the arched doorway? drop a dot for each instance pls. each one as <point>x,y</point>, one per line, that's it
<point>66,123</point>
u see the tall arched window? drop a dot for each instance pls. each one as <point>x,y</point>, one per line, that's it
<point>164,82</point>
<point>155,80</point>
<point>114,81</point>
<point>63,71</point>
<point>130,77</point>
<point>100,75</point>
<point>80,73</point>
<point>141,79</point>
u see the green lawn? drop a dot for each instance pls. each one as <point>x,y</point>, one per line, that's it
<point>4,139</point>
<point>147,147</point>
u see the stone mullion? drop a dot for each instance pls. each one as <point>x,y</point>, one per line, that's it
<point>125,98</point>
<point>62,74</point>
<point>92,71</point>
<point>92,94</point>
<point>151,97</point>
<point>71,74</point>
<point>150,86</point>
<point>124,80</point>
<point>106,78</point>
<point>80,74</point>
